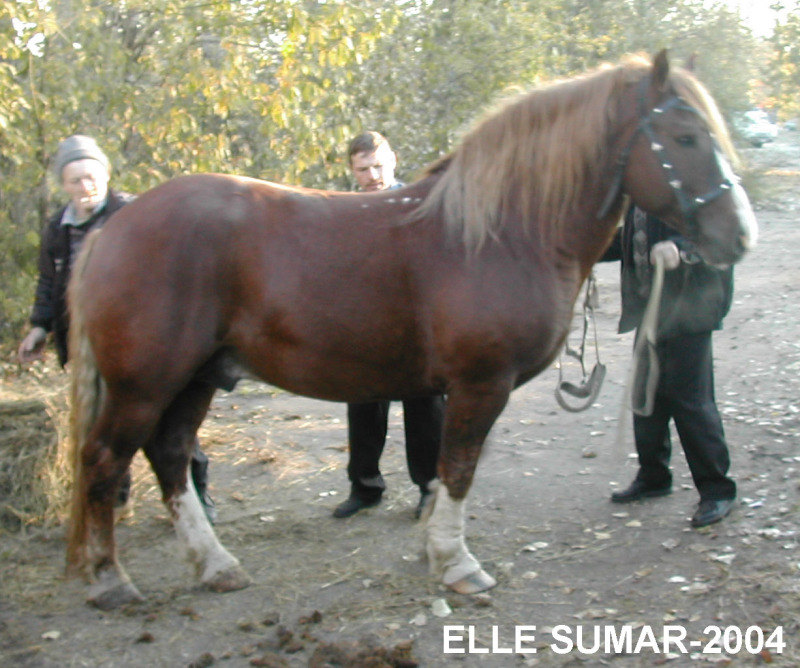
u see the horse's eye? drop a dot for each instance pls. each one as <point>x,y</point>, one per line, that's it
<point>686,141</point>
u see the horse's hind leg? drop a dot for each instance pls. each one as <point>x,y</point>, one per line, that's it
<point>469,415</point>
<point>169,454</point>
<point>105,457</point>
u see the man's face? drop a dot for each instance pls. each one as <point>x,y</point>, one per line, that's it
<point>374,171</point>
<point>86,183</point>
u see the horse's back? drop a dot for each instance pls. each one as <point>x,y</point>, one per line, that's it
<point>198,228</point>
<point>331,295</point>
<point>299,283</point>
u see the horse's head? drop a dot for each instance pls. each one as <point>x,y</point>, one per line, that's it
<point>678,165</point>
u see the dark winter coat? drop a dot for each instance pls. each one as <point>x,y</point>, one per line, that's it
<point>56,256</point>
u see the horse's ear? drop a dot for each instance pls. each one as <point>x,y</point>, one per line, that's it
<point>660,70</point>
<point>690,63</point>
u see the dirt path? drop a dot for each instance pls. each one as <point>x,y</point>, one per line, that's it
<point>568,562</point>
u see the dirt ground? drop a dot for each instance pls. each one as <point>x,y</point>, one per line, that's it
<point>356,592</point>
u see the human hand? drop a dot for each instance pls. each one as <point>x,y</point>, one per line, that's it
<point>667,253</point>
<point>32,346</point>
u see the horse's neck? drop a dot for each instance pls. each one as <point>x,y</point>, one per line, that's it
<point>583,236</point>
<point>575,244</point>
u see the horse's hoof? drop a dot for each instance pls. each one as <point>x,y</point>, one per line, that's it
<point>108,599</point>
<point>231,579</point>
<point>473,583</point>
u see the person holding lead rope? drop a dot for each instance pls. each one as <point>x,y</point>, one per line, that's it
<point>695,299</point>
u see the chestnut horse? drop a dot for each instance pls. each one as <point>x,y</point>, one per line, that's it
<point>462,284</point>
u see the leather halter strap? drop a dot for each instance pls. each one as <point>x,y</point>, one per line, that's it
<point>689,205</point>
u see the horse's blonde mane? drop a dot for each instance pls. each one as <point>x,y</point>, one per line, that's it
<point>538,151</point>
<point>691,90</point>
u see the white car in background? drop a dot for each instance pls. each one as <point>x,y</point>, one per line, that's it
<point>756,128</point>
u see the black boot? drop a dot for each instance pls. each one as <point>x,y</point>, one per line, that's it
<point>199,468</point>
<point>640,490</point>
<point>353,504</point>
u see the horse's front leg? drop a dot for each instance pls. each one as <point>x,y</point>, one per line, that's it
<point>469,415</point>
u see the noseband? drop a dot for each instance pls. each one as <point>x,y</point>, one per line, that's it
<point>689,205</point>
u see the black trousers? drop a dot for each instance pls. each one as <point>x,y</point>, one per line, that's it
<point>685,394</point>
<point>366,427</point>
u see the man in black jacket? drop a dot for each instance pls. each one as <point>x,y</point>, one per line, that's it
<point>83,170</point>
<point>372,162</point>
<point>695,299</point>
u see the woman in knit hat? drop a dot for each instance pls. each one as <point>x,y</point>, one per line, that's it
<point>83,170</point>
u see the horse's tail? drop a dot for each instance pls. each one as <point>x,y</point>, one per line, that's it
<point>86,392</point>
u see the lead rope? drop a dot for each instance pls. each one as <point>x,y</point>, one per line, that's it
<point>644,379</point>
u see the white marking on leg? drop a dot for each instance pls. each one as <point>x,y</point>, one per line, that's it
<point>203,549</point>
<point>447,551</point>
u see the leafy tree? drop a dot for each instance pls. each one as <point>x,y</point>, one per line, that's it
<point>167,87</point>
<point>444,62</point>
<point>275,89</point>
<point>783,71</point>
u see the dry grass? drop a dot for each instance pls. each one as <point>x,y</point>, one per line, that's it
<point>34,467</point>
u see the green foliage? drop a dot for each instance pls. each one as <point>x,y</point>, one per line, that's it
<point>783,74</point>
<point>276,89</point>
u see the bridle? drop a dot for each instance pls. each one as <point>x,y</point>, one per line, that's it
<point>689,205</point>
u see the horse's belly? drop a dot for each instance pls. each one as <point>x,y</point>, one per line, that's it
<point>338,376</point>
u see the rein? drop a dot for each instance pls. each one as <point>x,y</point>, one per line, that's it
<point>644,372</point>
<point>589,388</point>
<point>689,205</point>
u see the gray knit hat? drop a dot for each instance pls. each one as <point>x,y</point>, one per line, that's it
<point>78,147</point>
